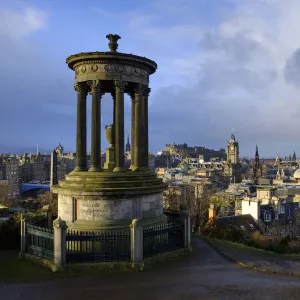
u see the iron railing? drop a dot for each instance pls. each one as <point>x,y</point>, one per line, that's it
<point>163,238</point>
<point>102,245</point>
<point>40,241</point>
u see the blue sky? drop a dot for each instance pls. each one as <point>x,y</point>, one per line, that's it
<point>221,65</point>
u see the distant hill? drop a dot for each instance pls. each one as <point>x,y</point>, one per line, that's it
<point>4,149</point>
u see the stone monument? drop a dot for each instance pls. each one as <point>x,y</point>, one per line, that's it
<point>114,196</point>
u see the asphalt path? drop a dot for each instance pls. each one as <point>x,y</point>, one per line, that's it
<point>204,275</point>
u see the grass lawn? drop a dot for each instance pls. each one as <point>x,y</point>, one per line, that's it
<point>238,250</point>
<point>12,269</point>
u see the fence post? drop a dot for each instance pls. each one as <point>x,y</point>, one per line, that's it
<point>60,229</point>
<point>23,237</point>
<point>136,243</point>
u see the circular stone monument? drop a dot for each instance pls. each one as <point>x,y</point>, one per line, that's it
<point>95,198</point>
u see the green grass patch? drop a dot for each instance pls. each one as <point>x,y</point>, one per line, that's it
<point>14,269</point>
<point>237,250</point>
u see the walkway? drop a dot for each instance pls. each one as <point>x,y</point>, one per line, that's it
<point>204,275</point>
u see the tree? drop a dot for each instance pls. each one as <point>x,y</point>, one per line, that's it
<point>199,212</point>
<point>51,199</point>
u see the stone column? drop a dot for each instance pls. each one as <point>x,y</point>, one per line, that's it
<point>81,89</point>
<point>113,94</point>
<point>145,134</point>
<point>132,129</point>
<point>138,127</point>
<point>95,87</point>
<point>60,229</point>
<point>119,126</point>
<point>136,241</point>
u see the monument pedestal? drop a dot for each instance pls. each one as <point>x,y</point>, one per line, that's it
<point>109,163</point>
<point>93,201</point>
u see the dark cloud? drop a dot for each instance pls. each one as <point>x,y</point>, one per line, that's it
<point>292,69</point>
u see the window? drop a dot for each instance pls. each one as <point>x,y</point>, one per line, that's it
<point>267,217</point>
<point>282,210</point>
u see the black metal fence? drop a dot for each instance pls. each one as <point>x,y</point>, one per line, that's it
<point>163,238</point>
<point>39,241</point>
<point>98,246</point>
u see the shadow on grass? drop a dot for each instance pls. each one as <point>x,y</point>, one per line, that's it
<point>15,270</point>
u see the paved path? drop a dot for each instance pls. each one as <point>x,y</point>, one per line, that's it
<point>204,275</point>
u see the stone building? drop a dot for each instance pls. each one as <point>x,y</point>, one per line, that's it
<point>232,167</point>
<point>12,170</point>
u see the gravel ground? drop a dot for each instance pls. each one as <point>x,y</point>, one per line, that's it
<point>204,275</point>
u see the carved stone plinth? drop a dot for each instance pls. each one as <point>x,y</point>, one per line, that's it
<point>110,162</point>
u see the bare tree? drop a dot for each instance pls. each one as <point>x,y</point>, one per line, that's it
<point>199,212</point>
<point>171,200</point>
<point>51,199</point>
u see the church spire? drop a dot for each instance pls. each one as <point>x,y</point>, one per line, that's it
<point>256,152</point>
<point>128,147</point>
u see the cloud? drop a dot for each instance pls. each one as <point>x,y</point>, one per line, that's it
<point>292,69</point>
<point>18,24</point>
<point>242,70</point>
<point>221,65</point>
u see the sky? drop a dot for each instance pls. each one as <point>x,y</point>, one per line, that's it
<point>222,65</point>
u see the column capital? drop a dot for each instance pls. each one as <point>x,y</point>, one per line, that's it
<point>95,86</point>
<point>81,88</point>
<point>139,89</point>
<point>147,91</point>
<point>120,85</point>
<point>132,95</point>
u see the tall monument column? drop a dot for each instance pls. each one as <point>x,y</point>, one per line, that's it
<point>138,127</point>
<point>119,126</point>
<point>81,89</point>
<point>132,129</point>
<point>145,134</point>
<point>95,86</point>
<point>53,170</point>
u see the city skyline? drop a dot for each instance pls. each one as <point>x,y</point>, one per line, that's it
<point>218,64</point>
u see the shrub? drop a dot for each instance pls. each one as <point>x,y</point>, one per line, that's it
<point>293,246</point>
<point>10,235</point>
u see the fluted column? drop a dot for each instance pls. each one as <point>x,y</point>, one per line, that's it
<point>132,129</point>
<point>145,134</point>
<point>82,90</point>
<point>119,126</point>
<point>138,163</point>
<point>95,91</point>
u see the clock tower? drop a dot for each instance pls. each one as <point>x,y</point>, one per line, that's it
<point>232,165</point>
<point>233,151</point>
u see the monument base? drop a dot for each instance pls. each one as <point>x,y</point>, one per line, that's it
<point>97,200</point>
